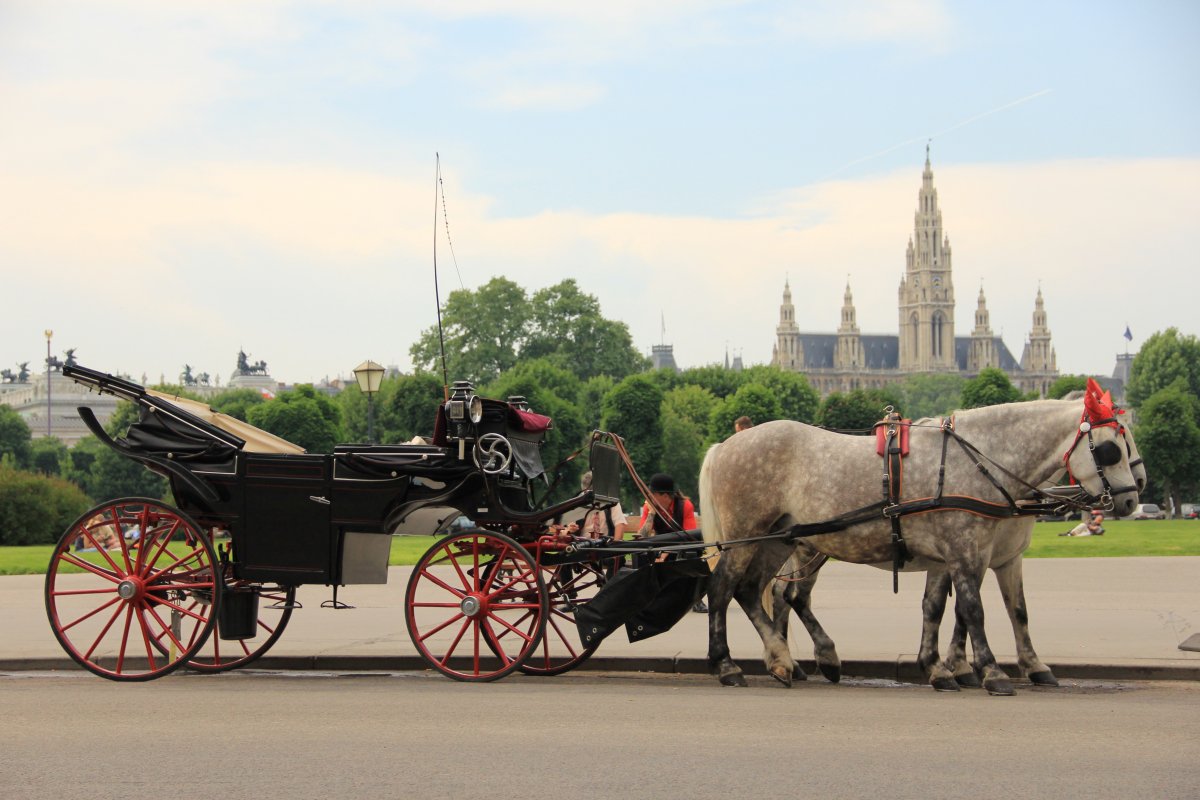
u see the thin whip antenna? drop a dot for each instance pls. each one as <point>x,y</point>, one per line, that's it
<point>449,241</point>
<point>436,295</point>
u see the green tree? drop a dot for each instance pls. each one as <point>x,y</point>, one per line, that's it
<point>236,402</point>
<point>1168,438</point>
<point>568,328</point>
<point>36,509</point>
<point>991,387</point>
<point>591,398</point>
<point>302,416</point>
<point>484,331</point>
<point>81,457</point>
<point>933,395</point>
<point>1166,357</point>
<point>797,399</point>
<point>111,474</point>
<point>49,456</point>
<point>552,391</point>
<point>14,437</point>
<point>752,400</point>
<point>683,450</point>
<point>856,411</point>
<point>692,403</point>
<point>406,406</point>
<point>717,379</point>
<point>1065,384</point>
<point>633,410</point>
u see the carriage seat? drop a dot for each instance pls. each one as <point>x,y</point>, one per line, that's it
<point>392,460</point>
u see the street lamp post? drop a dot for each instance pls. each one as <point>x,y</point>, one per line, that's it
<point>49,336</point>
<point>369,375</point>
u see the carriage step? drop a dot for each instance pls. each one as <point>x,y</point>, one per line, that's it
<point>282,605</point>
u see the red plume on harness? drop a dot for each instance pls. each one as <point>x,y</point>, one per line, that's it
<point>1098,412</point>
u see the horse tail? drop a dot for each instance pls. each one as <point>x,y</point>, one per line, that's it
<point>710,520</point>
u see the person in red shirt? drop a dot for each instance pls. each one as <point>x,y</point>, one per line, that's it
<point>671,511</point>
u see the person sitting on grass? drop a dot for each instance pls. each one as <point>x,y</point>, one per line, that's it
<point>1093,526</point>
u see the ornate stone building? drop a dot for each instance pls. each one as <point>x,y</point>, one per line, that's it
<point>926,342</point>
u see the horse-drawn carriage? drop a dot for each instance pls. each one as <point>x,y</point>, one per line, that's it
<point>210,583</point>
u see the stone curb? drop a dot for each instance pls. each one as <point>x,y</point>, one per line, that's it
<point>902,669</point>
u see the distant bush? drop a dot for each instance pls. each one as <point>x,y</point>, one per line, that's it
<point>36,509</point>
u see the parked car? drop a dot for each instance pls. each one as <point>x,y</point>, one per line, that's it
<point>1147,511</point>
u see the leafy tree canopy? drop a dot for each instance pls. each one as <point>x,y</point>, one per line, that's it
<point>991,387</point>
<point>633,410</point>
<point>856,411</point>
<point>683,449</point>
<point>1167,356</point>
<point>236,402</point>
<point>1168,438</point>
<point>487,331</point>
<point>714,377</point>
<point>933,395</point>
<point>14,437</point>
<point>692,403</point>
<point>752,400</point>
<point>797,399</point>
<point>1065,384</point>
<point>302,416</point>
<point>49,456</point>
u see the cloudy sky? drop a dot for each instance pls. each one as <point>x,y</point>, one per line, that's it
<point>182,179</point>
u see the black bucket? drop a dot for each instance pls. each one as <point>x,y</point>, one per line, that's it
<point>237,617</point>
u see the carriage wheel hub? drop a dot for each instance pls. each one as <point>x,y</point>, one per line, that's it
<point>129,589</point>
<point>471,606</point>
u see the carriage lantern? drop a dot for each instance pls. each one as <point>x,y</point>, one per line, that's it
<point>464,409</point>
<point>518,401</point>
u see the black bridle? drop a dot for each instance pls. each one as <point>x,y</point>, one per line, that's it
<point>1105,454</point>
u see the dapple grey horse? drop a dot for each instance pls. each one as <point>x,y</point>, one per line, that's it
<point>800,573</point>
<point>781,474</point>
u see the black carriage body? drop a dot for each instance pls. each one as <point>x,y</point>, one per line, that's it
<point>295,517</point>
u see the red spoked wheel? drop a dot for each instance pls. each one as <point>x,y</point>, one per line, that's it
<point>568,586</point>
<point>476,606</point>
<point>275,605</point>
<point>125,581</point>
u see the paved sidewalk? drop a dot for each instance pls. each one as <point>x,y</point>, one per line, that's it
<point>1101,618</point>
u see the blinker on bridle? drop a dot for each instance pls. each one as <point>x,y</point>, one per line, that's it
<point>1107,453</point>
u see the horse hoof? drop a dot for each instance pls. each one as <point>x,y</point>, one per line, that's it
<point>967,680</point>
<point>798,673</point>
<point>944,684</point>
<point>782,675</point>
<point>999,687</point>
<point>733,679</point>
<point>832,672</point>
<point>1043,678</point>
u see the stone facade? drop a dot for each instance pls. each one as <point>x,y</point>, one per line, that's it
<point>926,342</point>
<point>49,403</point>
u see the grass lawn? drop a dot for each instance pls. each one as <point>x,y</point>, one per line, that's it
<point>1121,538</point>
<point>33,560</point>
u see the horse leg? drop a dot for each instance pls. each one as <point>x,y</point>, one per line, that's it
<point>956,655</point>
<point>933,608</point>
<point>720,592</point>
<point>969,606</point>
<point>799,596</point>
<point>776,655</point>
<point>780,607</point>
<point>1012,588</point>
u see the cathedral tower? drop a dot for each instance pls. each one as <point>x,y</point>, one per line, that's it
<point>849,354</point>
<point>788,353</point>
<point>983,342</point>
<point>926,299</point>
<point>1039,355</point>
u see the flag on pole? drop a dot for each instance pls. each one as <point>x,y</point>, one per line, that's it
<point>267,394</point>
<point>1128,334</point>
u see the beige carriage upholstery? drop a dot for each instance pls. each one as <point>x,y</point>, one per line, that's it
<point>257,440</point>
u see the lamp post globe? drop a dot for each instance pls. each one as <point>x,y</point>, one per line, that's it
<point>369,376</point>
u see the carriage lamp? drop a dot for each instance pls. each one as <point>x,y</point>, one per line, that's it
<point>518,401</point>
<point>464,409</point>
<point>369,376</point>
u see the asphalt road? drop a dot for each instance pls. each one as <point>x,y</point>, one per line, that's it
<point>595,736</point>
